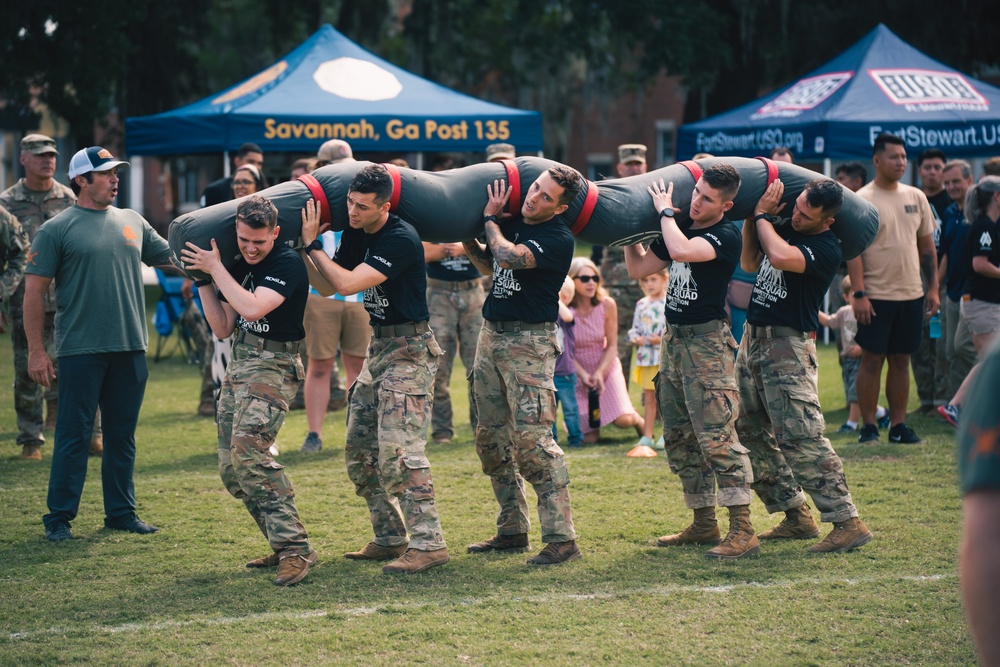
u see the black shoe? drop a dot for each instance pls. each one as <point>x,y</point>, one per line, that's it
<point>904,435</point>
<point>58,532</point>
<point>868,433</point>
<point>130,524</point>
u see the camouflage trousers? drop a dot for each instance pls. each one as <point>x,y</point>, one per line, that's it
<point>626,296</point>
<point>388,414</point>
<point>29,396</point>
<point>699,403</point>
<point>456,316</point>
<point>782,425</point>
<point>516,401</point>
<point>252,406</point>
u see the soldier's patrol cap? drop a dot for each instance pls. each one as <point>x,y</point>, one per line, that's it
<point>632,153</point>
<point>91,159</point>
<point>496,152</point>
<point>39,144</point>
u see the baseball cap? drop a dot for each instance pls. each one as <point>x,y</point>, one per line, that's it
<point>632,153</point>
<point>334,151</point>
<point>39,144</point>
<point>91,159</point>
<point>499,152</point>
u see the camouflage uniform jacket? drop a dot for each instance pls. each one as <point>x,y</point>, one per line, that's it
<point>13,254</point>
<point>32,209</point>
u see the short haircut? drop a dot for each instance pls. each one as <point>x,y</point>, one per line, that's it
<point>76,188</point>
<point>992,167</point>
<point>959,164</point>
<point>373,179</point>
<point>781,150</point>
<point>568,179</point>
<point>826,194</point>
<point>724,178</point>
<point>257,212</point>
<point>845,285</point>
<point>882,140</point>
<point>249,148</point>
<point>854,170</point>
<point>930,154</point>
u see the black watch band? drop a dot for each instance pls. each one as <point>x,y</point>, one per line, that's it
<point>489,218</point>
<point>667,213</point>
<point>763,216</point>
<point>316,244</point>
<point>859,294</point>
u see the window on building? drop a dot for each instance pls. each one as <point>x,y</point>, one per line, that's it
<point>666,146</point>
<point>600,166</point>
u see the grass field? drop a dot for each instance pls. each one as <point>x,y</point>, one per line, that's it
<point>183,596</point>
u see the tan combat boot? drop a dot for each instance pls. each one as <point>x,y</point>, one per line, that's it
<point>846,535</point>
<point>798,524</point>
<point>271,560</point>
<point>703,530</point>
<point>374,551</point>
<point>414,561</point>
<point>517,543</point>
<point>31,452</point>
<point>556,552</point>
<point>293,569</point>
<point>741,540</point>
<point>51,410</point>
<point>96,445</point>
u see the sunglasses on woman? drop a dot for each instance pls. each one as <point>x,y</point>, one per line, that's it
<point>587,279</point>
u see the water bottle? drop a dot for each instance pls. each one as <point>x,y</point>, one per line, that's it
<point>594,408</point>
<point>934,326</point>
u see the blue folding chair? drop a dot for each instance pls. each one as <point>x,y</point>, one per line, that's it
<point>170,321</point>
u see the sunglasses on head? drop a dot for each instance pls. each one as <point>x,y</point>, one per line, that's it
<point>587,279</point>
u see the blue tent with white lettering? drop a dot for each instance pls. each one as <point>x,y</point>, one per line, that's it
<point>881,84</point>
<point>329,87</point>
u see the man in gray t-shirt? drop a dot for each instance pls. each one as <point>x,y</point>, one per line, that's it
<point>94,252</point>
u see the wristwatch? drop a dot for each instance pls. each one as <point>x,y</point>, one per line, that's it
<point>860,293</point>
<point>315,245</point>
<point>763,216</point>
<point>667,213</point>
<point>490,218</point>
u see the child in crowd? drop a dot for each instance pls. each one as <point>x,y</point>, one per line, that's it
<point>850,356</point>
<point>565,373</point>
<point>646,332</point>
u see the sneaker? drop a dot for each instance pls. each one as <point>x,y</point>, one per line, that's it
<point>904,435</point>
<point>660,444</point>
<point>847,428</point>
<point>130,524</point>
<point>415,560</point>
<point>293,569</point>
<point>868,433</point>
<point>884,420</point>
<point>313,443</point>
<point>555,553</point>
<point>58,532</point>
<point>948,412</point>
<point>644,441</point>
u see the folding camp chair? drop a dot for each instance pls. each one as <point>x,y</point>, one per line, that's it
<point>173,320</point>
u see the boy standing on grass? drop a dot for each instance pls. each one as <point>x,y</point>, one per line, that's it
<point>263,300</point>
<point>646,334</point>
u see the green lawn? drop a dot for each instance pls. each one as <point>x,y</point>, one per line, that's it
<point>183,596</point>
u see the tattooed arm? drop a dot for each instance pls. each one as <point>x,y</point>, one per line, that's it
<point>480,256</point>
<point>506,254</point>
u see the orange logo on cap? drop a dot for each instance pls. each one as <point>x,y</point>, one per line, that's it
<point>130,237</point>
<point>105,153</point>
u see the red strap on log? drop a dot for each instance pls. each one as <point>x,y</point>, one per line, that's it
<point>772,170</point>
<point>694,168</point>
<point>514,183</point>
<point>586,210</point>
<point>316,190</point>
<point>397,185</point>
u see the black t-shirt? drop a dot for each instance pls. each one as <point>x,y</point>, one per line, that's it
<point>696,292</point>
<point>282,271</point>
<point>984,241</point>
<point>394,251</point>
<point>531,295</point>
<point>789,299</point>
<point>939,202</point>
<point>453,269</point>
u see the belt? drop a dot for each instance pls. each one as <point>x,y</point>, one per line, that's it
<point>684,330</point>
<point>291,347</point>
<point>454,285</point>
<point>776,332</point>
<point>517,326</point>
<point>397,330</point>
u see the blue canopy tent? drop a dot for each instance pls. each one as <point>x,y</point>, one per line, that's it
<point>881,84</point>
<point>329,87</point>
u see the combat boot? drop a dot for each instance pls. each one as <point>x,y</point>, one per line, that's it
<point>374,551</point>
<point>293,569</point>
<point>517,543</point>
<point>741,540</point>
<point>798,524</point>
<point>271,560</point>
<point>703,530</point>
<point>96,445</point>
<point>415,560</point>
<point>51,411</point>
<point>846,535</point>
<point>556,552</point>
<point>31,452</point>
